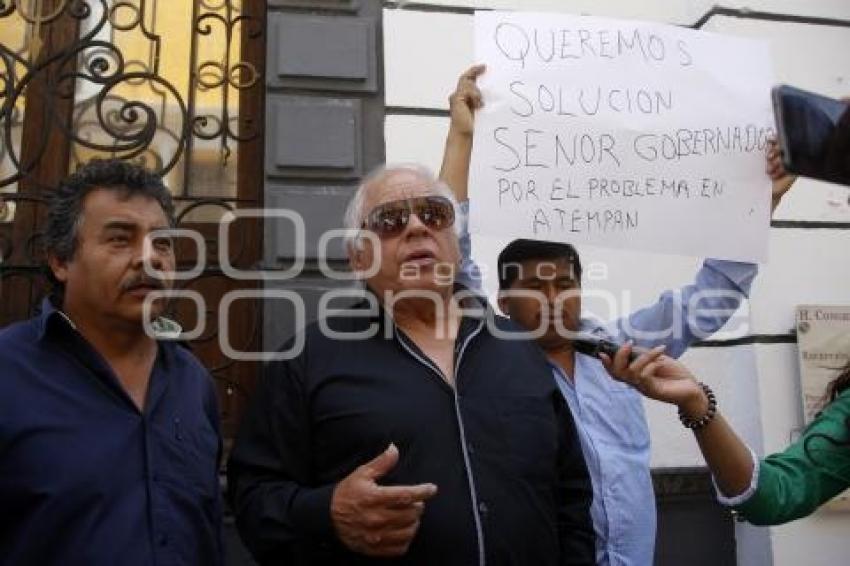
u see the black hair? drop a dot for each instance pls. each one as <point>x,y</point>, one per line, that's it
<point>65,205</point>
<point>837,386</point>
<point>522,250</point>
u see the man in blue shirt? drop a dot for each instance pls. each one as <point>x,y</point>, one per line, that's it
<point>109,437</point>
<point>609,415</point>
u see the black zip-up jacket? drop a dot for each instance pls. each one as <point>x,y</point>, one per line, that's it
<point>501,446</point>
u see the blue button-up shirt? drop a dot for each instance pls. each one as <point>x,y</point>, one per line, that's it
<point>615,442</point>
<point>609,415</point>
<point>88,479</point>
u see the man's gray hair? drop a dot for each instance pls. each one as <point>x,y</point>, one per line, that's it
<point>355,212</point>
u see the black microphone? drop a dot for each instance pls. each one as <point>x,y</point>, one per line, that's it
<point>592,346</point>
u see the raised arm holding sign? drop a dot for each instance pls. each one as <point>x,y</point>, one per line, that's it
<point>540,285</point>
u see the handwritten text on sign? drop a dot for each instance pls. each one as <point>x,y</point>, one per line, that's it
<point>623,134</point>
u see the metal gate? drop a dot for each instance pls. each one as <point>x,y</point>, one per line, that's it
<point>175,86</point>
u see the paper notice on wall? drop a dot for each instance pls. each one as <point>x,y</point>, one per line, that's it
<point>823,342</point>
<point>622,134</point>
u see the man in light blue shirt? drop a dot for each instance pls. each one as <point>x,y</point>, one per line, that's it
<point>609,415</point>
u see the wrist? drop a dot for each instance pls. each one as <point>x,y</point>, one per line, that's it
<point>700,409</point>
<point>695,404</point>
<point>459,136</point>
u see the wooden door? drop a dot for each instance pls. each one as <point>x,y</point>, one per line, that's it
<point>175,86</point>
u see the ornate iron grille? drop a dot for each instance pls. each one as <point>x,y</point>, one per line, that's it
<point>174,86</point>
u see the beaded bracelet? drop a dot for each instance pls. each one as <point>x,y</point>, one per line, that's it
<point>696,424</point>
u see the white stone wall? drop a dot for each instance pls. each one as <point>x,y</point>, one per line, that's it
<point>427,45</point>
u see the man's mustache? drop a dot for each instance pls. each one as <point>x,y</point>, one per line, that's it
<point>143,281</point>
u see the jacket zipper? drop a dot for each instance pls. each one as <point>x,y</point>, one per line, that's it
<point>479,530</point>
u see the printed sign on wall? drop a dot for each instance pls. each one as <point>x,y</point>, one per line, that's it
<point>823,341</point>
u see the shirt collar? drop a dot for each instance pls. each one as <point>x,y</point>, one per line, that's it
<point>164,328</point>
<point>474,303</point>
<point>50,315</point>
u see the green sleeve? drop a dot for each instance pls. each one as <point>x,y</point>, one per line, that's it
<point>793,483</point>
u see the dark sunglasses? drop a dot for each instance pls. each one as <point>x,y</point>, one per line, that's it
<point>391,218</point>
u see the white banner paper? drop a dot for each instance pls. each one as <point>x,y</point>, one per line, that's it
<point>622,134</point>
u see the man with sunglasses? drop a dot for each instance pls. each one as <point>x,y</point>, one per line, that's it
<point>540,289</point>
<point>410,427</point>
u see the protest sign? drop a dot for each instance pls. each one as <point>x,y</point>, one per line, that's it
<point>621,134</point>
